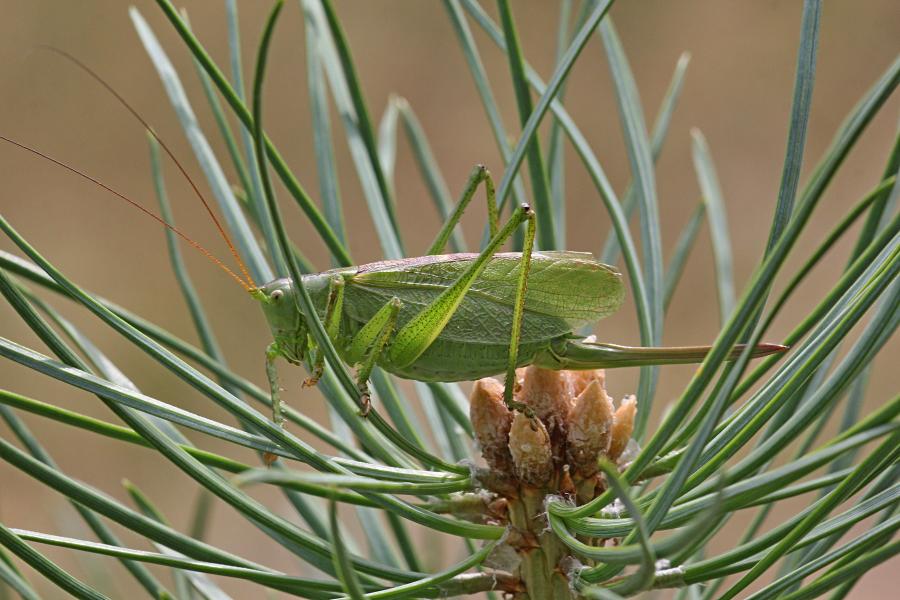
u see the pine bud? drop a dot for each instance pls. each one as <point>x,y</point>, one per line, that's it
<point>581,379</point>
<point>529,444</point>
<point>623,425</point>
<point>491,421</point>
<point>589,432</point>
<point>548,393</point>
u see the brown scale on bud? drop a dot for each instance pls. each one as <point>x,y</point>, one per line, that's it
<point>571,422</point>
<point>623,425</point>
<point>590,424</point>
<point>520,380</point>
<point>550,395</point>
<point>581,379</point>
<point>491,421</point>
<point>529,444</point>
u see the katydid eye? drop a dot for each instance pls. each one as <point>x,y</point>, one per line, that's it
<point>276,295</point>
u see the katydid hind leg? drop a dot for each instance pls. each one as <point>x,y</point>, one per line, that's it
<point>418,333</point>
<point>479,174</point>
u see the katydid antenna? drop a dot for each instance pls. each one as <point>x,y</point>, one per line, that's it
<point>247,280</point>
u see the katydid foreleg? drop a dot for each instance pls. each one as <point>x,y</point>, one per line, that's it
<point>332,324</point>
<point>296,346</point>
<point>272,353</point>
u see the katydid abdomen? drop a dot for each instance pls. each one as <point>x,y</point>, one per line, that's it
<point>452,361</point>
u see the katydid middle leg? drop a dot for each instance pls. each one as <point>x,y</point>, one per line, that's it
<point>419,332</point>
<point>368,344</point>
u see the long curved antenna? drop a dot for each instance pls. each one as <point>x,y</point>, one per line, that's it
<point>244,284</point>
<point>96,76</point>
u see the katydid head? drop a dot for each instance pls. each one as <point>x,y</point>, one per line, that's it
<point>287,324</point>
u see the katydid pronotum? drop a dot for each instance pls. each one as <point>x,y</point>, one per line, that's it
<point>441,317</point>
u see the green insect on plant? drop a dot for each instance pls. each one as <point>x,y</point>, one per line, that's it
<point>450,317</point>
<point>454,317</point>
<point>576,495</point>
<point>438,317</point>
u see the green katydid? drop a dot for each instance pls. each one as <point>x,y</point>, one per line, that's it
<point>454,317</point>
<point>441,317</point>
<point>449,317</point>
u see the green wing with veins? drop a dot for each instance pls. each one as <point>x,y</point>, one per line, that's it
<point>566,290</point>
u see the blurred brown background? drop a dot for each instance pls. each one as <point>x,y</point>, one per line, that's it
<point>738,91</point>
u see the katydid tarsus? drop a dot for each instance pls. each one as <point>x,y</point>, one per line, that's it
<point>443,317</point>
